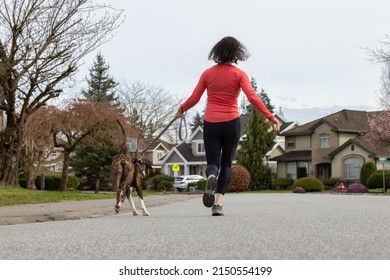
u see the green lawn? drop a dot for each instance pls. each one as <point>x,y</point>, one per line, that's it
<point>17,195</point>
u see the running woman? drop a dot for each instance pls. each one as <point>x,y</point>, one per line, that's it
<point>221,130</point>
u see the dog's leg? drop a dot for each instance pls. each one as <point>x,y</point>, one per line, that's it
<point>144,211</point>
<point>138,188</point>
<point>131,201</point>
<point>117,188</point>
<point>118,202</point>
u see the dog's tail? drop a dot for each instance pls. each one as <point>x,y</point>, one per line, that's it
<point>123,149</point>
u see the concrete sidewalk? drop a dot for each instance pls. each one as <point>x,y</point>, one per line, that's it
<point>72,210</point>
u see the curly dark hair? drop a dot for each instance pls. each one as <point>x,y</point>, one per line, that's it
<point>228,50</point>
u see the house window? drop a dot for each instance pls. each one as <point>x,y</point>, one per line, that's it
<point>159,155</point>
<point>201,148</point>
<point>297,169</point>
<point>290,142</point>
<point>324,140</point>
<point>291,170</point>
<point>352,166</point>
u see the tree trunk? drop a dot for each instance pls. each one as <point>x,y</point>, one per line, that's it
<point>97,185</point>
<point>30,182</point>
<point>10,153</point>
<point>65,172</point>
<point>42,183</point>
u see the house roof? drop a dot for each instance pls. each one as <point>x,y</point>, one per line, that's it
<point>294,156</point>
<point>376,150</point>
<point>144,142</point>
<point>344,120</point>
<point>185,150</point>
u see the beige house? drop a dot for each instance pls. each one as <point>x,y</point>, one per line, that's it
<point>329,147</point>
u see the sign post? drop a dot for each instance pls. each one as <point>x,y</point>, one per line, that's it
<point>383,160</point>
<point>175,169</point>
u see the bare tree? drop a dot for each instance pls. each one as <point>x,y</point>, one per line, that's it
<point>148,108</point>
<point>382,55</point>
<point>42,43</point>
<point>38,144</point>
<point>79,122</point>
<point>379,127</point>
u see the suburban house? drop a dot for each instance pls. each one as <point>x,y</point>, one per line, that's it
<point>157,150</point>
<point>332,146</point>
<point>191,158</point>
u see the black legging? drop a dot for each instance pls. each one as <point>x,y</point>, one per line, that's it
<point>220,142</point>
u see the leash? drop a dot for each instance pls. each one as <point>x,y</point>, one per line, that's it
<point>158,136</point>
<point>182,122</point>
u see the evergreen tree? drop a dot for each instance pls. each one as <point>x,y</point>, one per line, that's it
<point>101,85</point>
<point>246,107</point>
<point>267,102</point>
<point>281,111</point>
<point>258,141</point>
<point>196,121</point>
<point>92,166</point>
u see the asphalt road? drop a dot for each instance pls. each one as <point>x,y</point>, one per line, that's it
<point>255,226</point>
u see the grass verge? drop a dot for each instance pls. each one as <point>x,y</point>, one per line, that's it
<point>18,195</point>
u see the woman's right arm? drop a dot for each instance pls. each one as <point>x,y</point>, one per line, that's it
<point>194,98</point>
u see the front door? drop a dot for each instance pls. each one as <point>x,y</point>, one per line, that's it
<point>324,171</point>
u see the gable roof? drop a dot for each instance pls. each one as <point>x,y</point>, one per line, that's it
<point>344,120</point>
<point>185,149</point>
<point>198,130</point>
<point>374,151</point>
<point>144,142</point>
<point>294,156</point>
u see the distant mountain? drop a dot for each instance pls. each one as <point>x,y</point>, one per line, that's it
<point>306,115</point>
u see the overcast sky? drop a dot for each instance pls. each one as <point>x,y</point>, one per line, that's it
<point>304,53</point>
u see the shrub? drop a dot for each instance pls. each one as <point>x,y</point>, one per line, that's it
<point>240,179</point>
<point>367,170</point>
<point>164,185</point>
<point>375,181</point>
<point>309,184</point>
<point>148,180</point>
<point>357,188</point>
<point>282,183</point>
<point>158,178</point>
<point>73,182</point>
<point>200,185</point>
<point>23,182</point>
<point>331,183</point>
<point>299,190</point>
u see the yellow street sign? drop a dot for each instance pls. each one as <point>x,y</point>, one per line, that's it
<point>175,168</point>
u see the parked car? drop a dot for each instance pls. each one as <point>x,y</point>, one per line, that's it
<point>181,182</point>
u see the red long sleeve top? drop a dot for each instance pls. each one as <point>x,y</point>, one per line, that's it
<point>223,83</point>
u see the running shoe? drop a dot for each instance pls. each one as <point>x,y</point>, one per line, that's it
<point>208,196</point>
<point>217,210</point>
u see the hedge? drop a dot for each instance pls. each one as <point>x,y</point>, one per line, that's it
<point>52,182</point>
<point>282,183</point>
<point>309,184</point>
